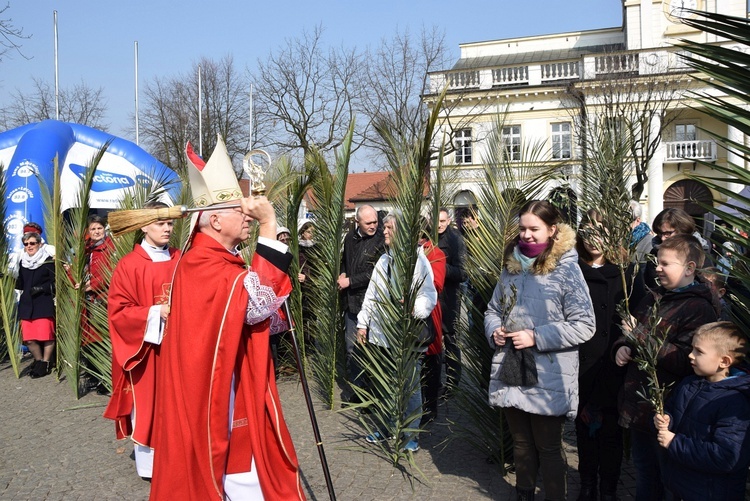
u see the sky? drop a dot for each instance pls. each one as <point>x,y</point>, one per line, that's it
<point>96,37</point>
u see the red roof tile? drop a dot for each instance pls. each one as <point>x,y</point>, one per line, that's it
<point>363,184</point>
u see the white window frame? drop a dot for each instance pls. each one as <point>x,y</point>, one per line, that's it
<point>686,125</point>
<point>464,150</point>
<point>511,136</point>
<point>562,140</point>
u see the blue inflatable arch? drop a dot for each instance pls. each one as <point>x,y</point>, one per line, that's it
<point>32,148</point>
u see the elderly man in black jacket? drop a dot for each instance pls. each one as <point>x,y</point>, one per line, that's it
<point>452,244</point>
<point>362,248</point>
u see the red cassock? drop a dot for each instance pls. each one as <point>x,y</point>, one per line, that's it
<point>206,344</point>
<point>437,261</point>
<point>137,284</point>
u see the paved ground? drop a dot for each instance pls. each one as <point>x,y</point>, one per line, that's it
<point>56,448</point>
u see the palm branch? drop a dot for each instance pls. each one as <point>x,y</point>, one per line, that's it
<point>99,354</point>
<point>391,372</point>
<point>10,342</point>
<point>286,193</point>
<point>326,325</point>
<point>67,234</point>
<point>604,189</point>
<point>726,72</point>
<point>182,227</point>
<point>507,186</point>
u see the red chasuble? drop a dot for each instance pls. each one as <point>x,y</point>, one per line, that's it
<point>206,344</point>
<point>137,284</point>
<point>437,262</point>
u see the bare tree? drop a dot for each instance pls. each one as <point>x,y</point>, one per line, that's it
<point>307,95</point>
<point>631,110</point>
<point>166,121</point>
<point>169,118</point>
<point>396,78</point>
<point>10,35</point>
<point>78,104</point>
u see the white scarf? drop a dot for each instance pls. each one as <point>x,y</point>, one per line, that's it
<point>38,259</point>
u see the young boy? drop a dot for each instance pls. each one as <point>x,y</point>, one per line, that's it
<point>708,447</point>
<point>718,284</point>
<point>685,303</point>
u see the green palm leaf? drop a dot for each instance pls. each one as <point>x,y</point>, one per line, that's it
<point>67,234</point>
<point>286,192</point>
<point>326,326</point>
<point>507,186</point>
<point>391,371</point>
<point>727,71</point>
<point>10,342</point>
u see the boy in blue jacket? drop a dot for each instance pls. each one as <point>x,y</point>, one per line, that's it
<point>705,427</point>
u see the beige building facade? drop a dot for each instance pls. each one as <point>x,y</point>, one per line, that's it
<point>540,84</point>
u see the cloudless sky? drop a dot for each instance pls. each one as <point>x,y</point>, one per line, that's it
<point>95,37</point>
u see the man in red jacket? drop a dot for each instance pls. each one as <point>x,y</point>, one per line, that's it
<point>219,430</point>
<point>137,308</point>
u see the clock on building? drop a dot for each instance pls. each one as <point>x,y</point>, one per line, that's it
<point>675,9</point>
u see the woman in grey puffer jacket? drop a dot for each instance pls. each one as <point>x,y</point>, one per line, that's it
<point>539,313</point>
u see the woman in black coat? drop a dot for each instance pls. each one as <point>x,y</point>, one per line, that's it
<point>36,307</point>
<point>599,378</point>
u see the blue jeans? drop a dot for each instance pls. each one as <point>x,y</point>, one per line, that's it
<point>415,400</point>
<point>649,459</point>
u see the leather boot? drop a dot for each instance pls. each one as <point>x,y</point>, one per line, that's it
<point>524,494</point>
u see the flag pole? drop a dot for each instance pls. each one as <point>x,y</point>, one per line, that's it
<point>137,136</point>
<point>57,73</point>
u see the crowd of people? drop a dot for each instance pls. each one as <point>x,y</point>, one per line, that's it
<point>193,378</point>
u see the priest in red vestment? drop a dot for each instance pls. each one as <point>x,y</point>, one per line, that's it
<point>219,429</point>
<point>137,308</point>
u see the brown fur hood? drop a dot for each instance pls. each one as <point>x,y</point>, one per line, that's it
<point>564,242</point>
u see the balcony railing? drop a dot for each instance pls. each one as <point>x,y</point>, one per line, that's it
<point>511,75</point>
<point>564,70</point>
<point>680,151</point>
<point>588,67</point>
<point>463,79</point>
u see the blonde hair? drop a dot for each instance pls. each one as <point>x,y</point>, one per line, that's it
<point>726,337</point>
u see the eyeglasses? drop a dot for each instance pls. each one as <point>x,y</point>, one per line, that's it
<point>666,233</point>
<point>29,244</point>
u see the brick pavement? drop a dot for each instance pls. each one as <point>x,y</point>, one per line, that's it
<point>56,448</point>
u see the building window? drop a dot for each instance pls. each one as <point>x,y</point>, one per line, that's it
<point>685,132</point>
<point>561,141</point>
<point>463,146</point>
<point>512,143</point>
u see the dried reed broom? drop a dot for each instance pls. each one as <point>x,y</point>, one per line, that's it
<point>124,221</point>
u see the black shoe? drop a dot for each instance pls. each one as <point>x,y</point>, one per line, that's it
<point>41,369</point>
<point>31,369</point>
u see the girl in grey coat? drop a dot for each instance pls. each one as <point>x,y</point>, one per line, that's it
<point>539,313</point>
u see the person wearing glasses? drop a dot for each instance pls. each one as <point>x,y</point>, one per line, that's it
<point>36,308</point>
<point>668,223</point>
